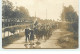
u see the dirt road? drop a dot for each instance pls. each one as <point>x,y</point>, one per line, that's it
<point>50,43</point>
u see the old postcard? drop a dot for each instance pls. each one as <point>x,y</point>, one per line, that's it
<point>40,24</point>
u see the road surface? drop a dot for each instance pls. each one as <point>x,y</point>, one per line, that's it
<point>50,43</point>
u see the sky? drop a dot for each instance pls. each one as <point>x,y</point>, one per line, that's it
<point>40,7</point>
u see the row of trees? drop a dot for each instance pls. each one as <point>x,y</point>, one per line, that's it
<point>69,14</point>
<point>10,11</point>
<point>71,17</point>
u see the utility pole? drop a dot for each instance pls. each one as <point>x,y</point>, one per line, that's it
<point>35,20</point>
<point>46,13</point>
<point>35,15</point>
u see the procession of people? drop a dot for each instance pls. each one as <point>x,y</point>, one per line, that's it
<point>39,32</point>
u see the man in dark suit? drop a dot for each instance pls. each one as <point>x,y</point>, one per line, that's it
<point>27,33</point>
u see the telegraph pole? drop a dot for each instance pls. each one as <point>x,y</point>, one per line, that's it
<point>46,13</point>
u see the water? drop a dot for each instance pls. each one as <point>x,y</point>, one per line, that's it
<point>6,33</point>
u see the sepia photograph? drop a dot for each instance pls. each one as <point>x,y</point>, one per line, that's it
<point>40,24</point>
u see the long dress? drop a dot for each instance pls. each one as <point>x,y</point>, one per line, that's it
<point>32,35</point>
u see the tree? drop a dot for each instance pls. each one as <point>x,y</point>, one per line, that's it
<point>24,12</point>
<point>70,16</point>
<point>6,9</point>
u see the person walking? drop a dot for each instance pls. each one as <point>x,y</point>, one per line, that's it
<point>31,35</point>
<point>27,33</point>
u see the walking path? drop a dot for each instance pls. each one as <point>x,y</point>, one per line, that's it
<point>50,43</point>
